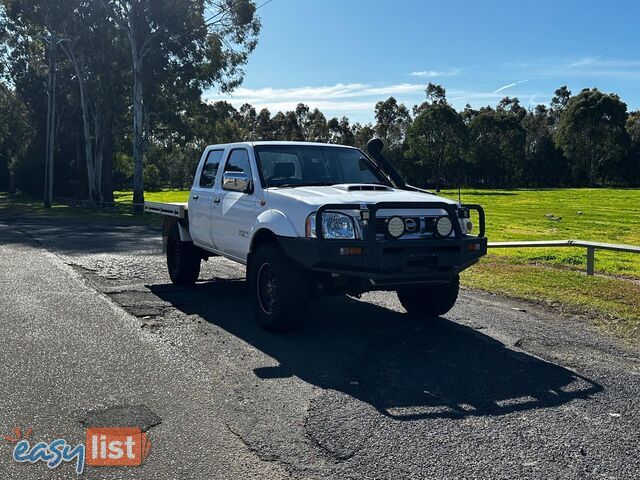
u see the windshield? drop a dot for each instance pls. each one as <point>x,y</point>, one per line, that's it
<point>302,165</point>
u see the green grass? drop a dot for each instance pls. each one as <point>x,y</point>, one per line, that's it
<point>168,195</point>
<point>607,215</point>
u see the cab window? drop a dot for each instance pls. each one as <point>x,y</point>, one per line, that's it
<point>210,168</point>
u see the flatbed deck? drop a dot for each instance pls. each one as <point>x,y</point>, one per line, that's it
<point>174,209</point>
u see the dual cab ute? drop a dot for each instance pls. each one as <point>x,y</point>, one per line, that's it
<point>311,219</point>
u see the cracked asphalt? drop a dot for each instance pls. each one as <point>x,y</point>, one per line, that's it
<point>495,389</point>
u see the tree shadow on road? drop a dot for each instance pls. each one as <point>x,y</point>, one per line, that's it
<point>408,369</point>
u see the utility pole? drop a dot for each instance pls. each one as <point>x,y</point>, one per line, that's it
<point>53,42</point>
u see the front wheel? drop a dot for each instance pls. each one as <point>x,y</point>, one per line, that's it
<point>183,259</point>
<point>278,288</point>
<point>430,300</point>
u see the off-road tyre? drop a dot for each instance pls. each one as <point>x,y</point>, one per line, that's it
<point>278,289</point>
<point>183,259</point>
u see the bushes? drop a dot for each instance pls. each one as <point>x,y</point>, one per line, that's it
<point>151,178</point>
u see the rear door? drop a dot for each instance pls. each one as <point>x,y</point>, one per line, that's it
<point>234,212</point>
<point>201,199</point>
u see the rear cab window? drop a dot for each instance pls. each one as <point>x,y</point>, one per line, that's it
<point>210,168</point>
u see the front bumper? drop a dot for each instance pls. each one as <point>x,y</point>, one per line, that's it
<point>388,262</point>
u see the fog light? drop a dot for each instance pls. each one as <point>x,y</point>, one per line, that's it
<point>469,226</point>
<point>350,251</point>
<point>473,247</point>
<point>444,227</point>
<point>395,227</point>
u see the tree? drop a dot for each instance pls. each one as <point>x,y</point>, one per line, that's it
<point>169,38</point>
<point>340,131</point>
<point>392,122</point>
<point>511,106</point>
<point>316,127</point>
<point>496,148</point>
<point>559,102</point>
<point>15,135</point>
<point>362,134</point>
<point>632,167</point>
<point>436,136</point>
<point>591,132</point>
<point>435,93</point>
<point>544,164</point>
<point>93,48</point>
<point>263,128</point>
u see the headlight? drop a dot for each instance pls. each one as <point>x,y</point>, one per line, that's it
<point>334,226</point>
<point>444,227</point>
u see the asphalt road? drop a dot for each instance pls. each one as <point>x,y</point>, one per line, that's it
<point>495,389</point>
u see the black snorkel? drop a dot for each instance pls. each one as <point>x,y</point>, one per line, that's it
<point>374,147</point>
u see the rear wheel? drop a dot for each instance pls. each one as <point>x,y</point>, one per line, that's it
<point>183,259</point>
<point>278,289</point>
<point>430,300</point>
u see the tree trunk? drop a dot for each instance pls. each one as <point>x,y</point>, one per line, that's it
<point>88,148</point>
<point>138,151</point>
<point>106,151</point>
<point>93,181</point>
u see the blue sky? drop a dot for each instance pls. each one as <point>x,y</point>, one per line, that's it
<point>343,56</point>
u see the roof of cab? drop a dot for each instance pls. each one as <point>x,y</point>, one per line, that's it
<point>268,142</point>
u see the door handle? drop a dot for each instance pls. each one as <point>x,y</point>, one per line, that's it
<point>216,200</point>
<point>195,197</point>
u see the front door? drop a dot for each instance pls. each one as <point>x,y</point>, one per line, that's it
<point>234,212</point>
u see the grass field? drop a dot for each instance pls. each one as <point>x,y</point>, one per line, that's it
<point>550,276</point>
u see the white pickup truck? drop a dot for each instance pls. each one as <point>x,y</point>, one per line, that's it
<point>309,219</point>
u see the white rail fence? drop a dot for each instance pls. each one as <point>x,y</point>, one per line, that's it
<point>590,246</point>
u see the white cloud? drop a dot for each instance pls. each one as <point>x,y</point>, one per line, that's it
<point>582,62</point>
<point>436,73</point>
<point>509,85</point>
<point>565,69</point>
<point>308,93</point>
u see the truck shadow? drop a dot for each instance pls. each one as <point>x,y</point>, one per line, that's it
<point>408,369</point>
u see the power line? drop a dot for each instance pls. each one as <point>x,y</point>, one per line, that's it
<point>265,3</point>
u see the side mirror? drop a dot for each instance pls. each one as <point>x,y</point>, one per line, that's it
<point>236,182</point>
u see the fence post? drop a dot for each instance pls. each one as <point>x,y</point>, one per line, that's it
<point>591,260</point>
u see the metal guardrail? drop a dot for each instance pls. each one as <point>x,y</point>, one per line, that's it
<point>590,246</point>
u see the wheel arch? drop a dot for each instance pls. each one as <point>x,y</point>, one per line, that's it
<point>183,229</point>
<point>262,236</point>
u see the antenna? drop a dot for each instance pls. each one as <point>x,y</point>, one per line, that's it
<point>459,195</point>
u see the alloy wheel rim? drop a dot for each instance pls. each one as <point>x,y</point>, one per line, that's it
<point>267,289</point>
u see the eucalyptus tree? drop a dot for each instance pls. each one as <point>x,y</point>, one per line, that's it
<point>591,132</point>
<point>496,148</point>
<point>633,160</point>
<point>340,131</point>
<point>437,136</point>
<point>16,134</point>
<point>392,121</point>
<point>188,44</point>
